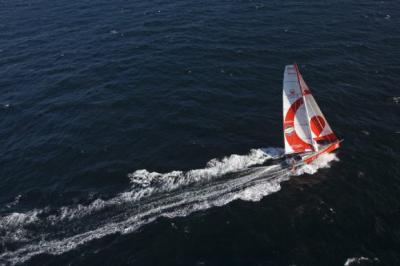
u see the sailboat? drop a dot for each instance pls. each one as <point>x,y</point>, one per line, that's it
<point>306,131</point>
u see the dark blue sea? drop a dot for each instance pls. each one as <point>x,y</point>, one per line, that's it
<point>150,133</point>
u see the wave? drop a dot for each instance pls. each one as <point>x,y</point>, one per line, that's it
<point>151,195</point>
<point>157,182</point>
<point>359,261</point>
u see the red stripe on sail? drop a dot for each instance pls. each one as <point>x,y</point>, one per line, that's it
<point>297,144</point>
<point>330,137</point>
<point>317,124</point>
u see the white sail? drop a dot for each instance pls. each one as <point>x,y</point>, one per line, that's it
<point>320,130</point>
<point>297,133</point>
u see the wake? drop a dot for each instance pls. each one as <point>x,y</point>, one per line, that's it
<point>151,196</point>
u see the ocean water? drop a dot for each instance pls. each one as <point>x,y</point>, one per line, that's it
<point>148,133</point>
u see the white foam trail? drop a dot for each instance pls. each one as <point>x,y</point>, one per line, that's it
<point>17,219</point>
<point>200,189</point>
<point>181,204</point>
<point>323,161</point>
<point>214,168</point>
<point>145,183</point>
<point>358,260</point>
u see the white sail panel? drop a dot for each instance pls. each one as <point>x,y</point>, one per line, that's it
<point>296,129</point>
<point>319,126</point>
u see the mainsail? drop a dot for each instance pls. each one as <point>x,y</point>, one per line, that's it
<point>297,134</point>
<point>305,127</point>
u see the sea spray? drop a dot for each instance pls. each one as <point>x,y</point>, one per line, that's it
<point>151,196</point>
